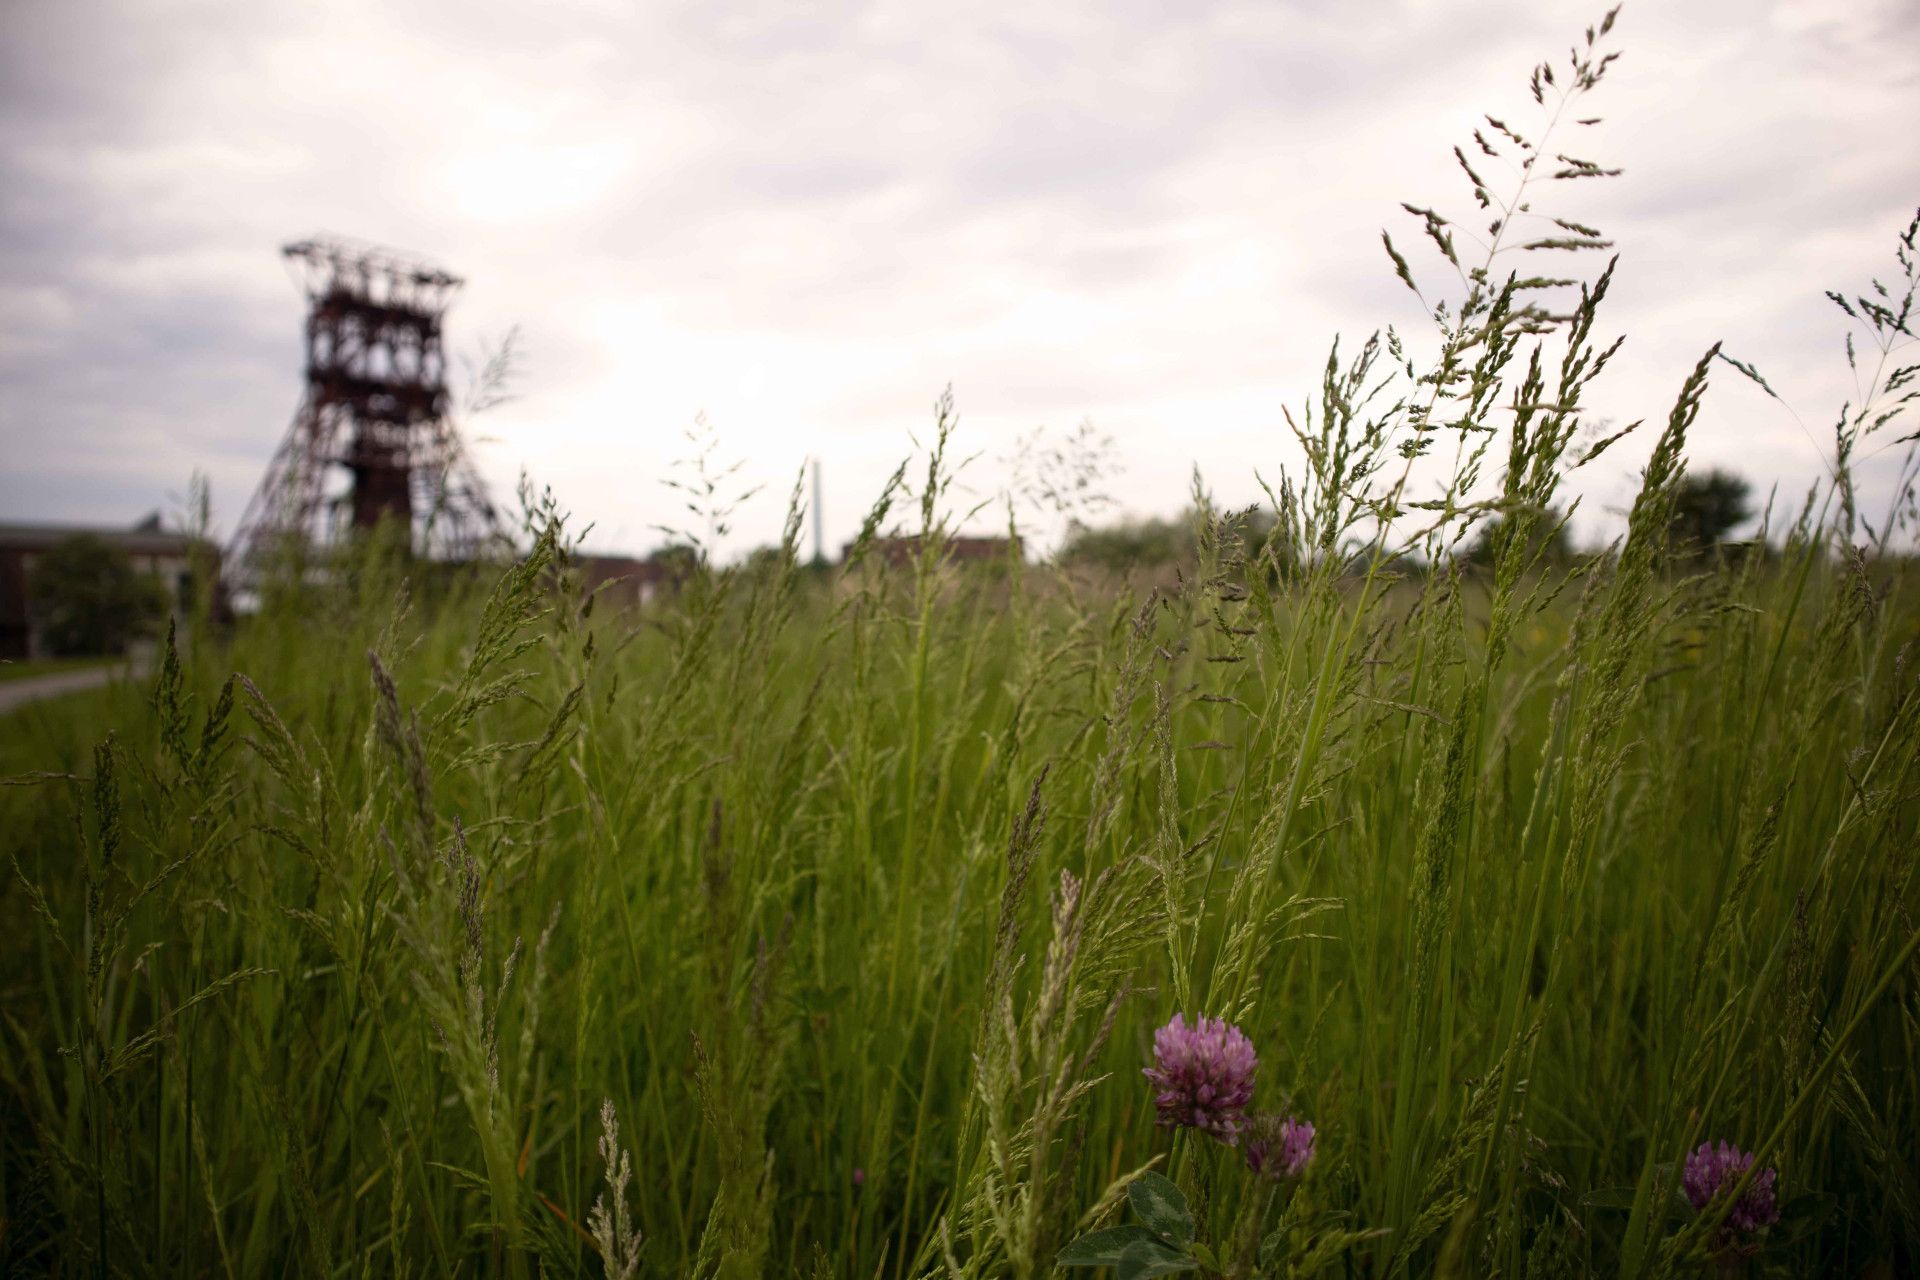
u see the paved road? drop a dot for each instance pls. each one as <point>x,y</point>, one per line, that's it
<point>18,693</point>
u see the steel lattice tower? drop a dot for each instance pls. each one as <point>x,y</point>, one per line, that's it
<point>373,440</point>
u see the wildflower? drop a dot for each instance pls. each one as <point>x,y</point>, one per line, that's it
<point>859,1176</point>
<point>1712,1170</point>
<point>1280,1147</point>
<point>1204,1074</point>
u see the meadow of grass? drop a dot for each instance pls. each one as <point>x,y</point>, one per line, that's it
<point>820,923</point>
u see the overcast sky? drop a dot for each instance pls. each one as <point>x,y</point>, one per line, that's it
<point>806,220</point>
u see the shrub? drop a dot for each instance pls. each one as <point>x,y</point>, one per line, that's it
<point>88,599</point>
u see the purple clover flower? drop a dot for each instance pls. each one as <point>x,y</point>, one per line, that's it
<point>1712,1170</point>
<point>1204,1074</point>
<point>1280,1147</point>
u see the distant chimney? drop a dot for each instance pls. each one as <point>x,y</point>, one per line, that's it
<point>819,520</point>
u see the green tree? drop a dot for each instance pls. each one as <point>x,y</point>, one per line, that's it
<point>1551,544</point>
<point>1153,543</point>
<point>1706,508</point>
<point>88,598</point>
<point>680,559</point>
<point>1129,544</point>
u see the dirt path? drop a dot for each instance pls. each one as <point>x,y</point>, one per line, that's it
<point>18,693</point>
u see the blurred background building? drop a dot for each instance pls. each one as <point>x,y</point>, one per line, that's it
<point>161,563</point>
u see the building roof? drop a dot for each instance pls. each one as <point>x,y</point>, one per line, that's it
<point>144,539</point>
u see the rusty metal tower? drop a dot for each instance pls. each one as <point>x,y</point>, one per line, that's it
<point>373,441</point>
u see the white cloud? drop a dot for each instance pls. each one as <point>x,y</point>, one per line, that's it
<point>1154,216</point>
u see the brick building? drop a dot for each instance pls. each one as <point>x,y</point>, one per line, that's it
<point>153,550</point>
<point>623,581</point>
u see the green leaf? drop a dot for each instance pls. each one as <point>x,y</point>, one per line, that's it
<point>1160,1205</point>
<point>1150,1257</point>
<point>1802,1215</point>
<point>1609,1198</point>
<point>1134,1252</point>
<point>1106,1248</point>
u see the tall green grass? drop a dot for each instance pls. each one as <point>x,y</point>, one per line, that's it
<point>820,926</point>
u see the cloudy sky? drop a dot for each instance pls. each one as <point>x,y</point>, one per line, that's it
<point>805,220</point>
